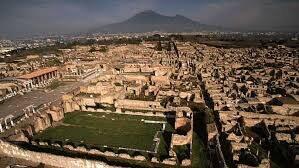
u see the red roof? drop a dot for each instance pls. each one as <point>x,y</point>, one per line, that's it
<point>38,73</point>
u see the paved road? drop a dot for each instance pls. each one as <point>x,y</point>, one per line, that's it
<point>15,104</point>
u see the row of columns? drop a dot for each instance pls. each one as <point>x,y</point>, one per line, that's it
<point>28,110</point>
<point>44,78</point>
<point>28,85</point>
<point>8,119</point>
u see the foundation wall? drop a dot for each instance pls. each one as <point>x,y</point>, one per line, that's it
<point>48,159</point>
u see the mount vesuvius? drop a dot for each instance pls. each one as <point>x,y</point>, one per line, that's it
<point>149,21</point>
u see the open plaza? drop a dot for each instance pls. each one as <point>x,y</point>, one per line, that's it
<point>109,130</point>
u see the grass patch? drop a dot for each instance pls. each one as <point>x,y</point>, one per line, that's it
<point>112,130</point>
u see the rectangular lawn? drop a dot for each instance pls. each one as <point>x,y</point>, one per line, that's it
<point>99,129</point>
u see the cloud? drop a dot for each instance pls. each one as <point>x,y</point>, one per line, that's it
<point>64,16</point>
<point>261,14</point>
<point>123,9</point>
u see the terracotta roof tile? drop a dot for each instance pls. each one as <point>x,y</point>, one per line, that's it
<point>38,73</point>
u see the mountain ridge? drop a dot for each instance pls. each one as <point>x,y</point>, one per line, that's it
<point>149,21</point>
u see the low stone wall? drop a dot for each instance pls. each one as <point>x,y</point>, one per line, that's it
<point>123,152</point>
<point>106,152</point>
<point>128,112</point>
<point>138,104</point>
<point>48,159</point>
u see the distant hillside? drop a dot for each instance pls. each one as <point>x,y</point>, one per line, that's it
<point>149,21</point>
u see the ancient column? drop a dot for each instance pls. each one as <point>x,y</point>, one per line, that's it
<point>42,79</point>
<point>5,122</point>
<point>38,80</point>
<point>45,78</point>
<point>25,112</point>
<point>1,129</point>
<point>11,122</point>
<point>32,109</point>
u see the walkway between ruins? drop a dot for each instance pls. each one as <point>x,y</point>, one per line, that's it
<point>15,105</point>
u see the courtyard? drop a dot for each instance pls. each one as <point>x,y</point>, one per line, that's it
<point>109,130</point>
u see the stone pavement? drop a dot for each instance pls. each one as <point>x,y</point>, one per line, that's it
<point>15,104</point>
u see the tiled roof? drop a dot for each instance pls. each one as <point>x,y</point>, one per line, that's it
<point>38,73</point>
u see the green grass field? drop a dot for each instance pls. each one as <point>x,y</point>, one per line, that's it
<point>105,129</point>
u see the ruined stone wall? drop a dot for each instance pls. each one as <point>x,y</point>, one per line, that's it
<point>67,103</point>
<point>168,93</point>
<point>48,159</point>
<point>35,123</point>
<point>122,152</point>
<point>41,122</point>
<point>98,89</point>
<point>253,118</point>
<point>131,69</point>
<point>137,78</point>
<point>160,80</point>
<point>71,104</point>
<point>137,104</point>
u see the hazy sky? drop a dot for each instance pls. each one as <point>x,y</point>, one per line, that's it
<point>20,17</point>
